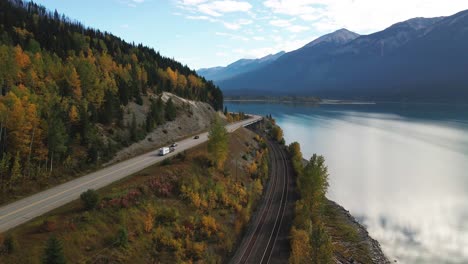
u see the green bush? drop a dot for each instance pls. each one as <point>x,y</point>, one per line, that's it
<point>166,162</point>
<point>182,156</point>
<point>122,238</point>
<point>89,199</point>
<point>10,244</point>
<point>167,216</point>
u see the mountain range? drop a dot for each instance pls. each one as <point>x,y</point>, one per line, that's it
<point>239,67</point>
<point>421,59</point>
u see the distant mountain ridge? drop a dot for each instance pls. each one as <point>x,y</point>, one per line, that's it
<point>341,36</point>
<point>421,59</point>
<point>238,67</point>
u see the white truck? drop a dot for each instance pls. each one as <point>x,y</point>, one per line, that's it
<point>163,151</point>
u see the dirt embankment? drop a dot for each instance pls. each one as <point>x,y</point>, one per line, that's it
<point>193,117</point>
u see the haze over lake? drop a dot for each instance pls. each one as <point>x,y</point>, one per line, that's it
<point>401,170</point>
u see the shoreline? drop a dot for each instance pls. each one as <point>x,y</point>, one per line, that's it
<point>377,254</point>
<point>324,102</point>
<point>373,246</point>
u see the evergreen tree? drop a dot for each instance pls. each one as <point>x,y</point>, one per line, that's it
<point>158,111</point>
<point>53,253</point>
<point>122,237</point>
<point>170,111</point>
<point>16,170</point>
<point>89,199</point>
<point>56,139</point>
<point>134,128</point>
<point>5,168</point>
<point>322,249</point>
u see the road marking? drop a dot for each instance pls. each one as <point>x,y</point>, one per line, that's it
<point>79,185</point>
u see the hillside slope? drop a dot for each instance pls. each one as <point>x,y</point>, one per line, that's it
<point>421,59</point>
<point>193,117</point>
<point>70,95</point>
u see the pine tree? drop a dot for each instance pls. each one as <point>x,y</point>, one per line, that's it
<point>159,111</point>
<point>4,168</point>
<point>133,128</point>
<point>122,237</point>
<point>16,170</point>
<point>171,111</point>
<point>57,138</point>
<point>53,253</point>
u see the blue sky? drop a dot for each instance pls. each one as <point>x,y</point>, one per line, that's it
<point>207,33</point>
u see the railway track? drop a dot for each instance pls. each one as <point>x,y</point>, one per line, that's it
<point>259,242</point>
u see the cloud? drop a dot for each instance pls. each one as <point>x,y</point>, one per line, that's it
<point>201,18</point>
<point>297,28</point>
<point>214,11</point>
<point>281,22</point>
<point>232,36</point>
<point>287,24</point>
<point>280,44</point>
<point>215,8</point>
<point>238,24</point>
<point>222,54</point>
<point>131,3</point>
<point>364,16</point>
<point>192,2</point>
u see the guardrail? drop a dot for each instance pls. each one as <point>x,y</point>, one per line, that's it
<point>253,122</point>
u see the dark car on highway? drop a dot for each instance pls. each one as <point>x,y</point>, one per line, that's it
<point>196,137</point>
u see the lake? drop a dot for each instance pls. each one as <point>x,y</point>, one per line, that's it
<point>400,169</point>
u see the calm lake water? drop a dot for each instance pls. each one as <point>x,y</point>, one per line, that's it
<point>400,169</point>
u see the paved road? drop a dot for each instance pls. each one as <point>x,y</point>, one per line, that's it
<point>265,241</point>
<point>28,208</point>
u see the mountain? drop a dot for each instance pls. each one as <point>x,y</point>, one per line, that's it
<point>341,36</point>
<point>421,59</point>
<point>239,67</point>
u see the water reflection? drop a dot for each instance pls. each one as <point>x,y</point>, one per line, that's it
<point>402,170</point>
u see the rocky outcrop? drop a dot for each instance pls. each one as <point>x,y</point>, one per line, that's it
<point>373,247</point>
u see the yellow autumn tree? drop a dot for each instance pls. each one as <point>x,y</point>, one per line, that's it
<point>300,247</point>
<point>194,81</point>
<point>73,114</point>
<point>181,81</point>
<point>172,76</point>
<point>149,219</point>
<point>75,84</point>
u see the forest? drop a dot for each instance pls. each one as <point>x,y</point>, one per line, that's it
<point>63,83</point>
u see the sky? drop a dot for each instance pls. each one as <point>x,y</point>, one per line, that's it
<point>208,33</point>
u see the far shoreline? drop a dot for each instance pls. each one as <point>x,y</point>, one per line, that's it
<point>322,102</point>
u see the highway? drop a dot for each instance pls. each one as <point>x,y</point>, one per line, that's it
<point>266,239</point>
<point>23,210</point>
